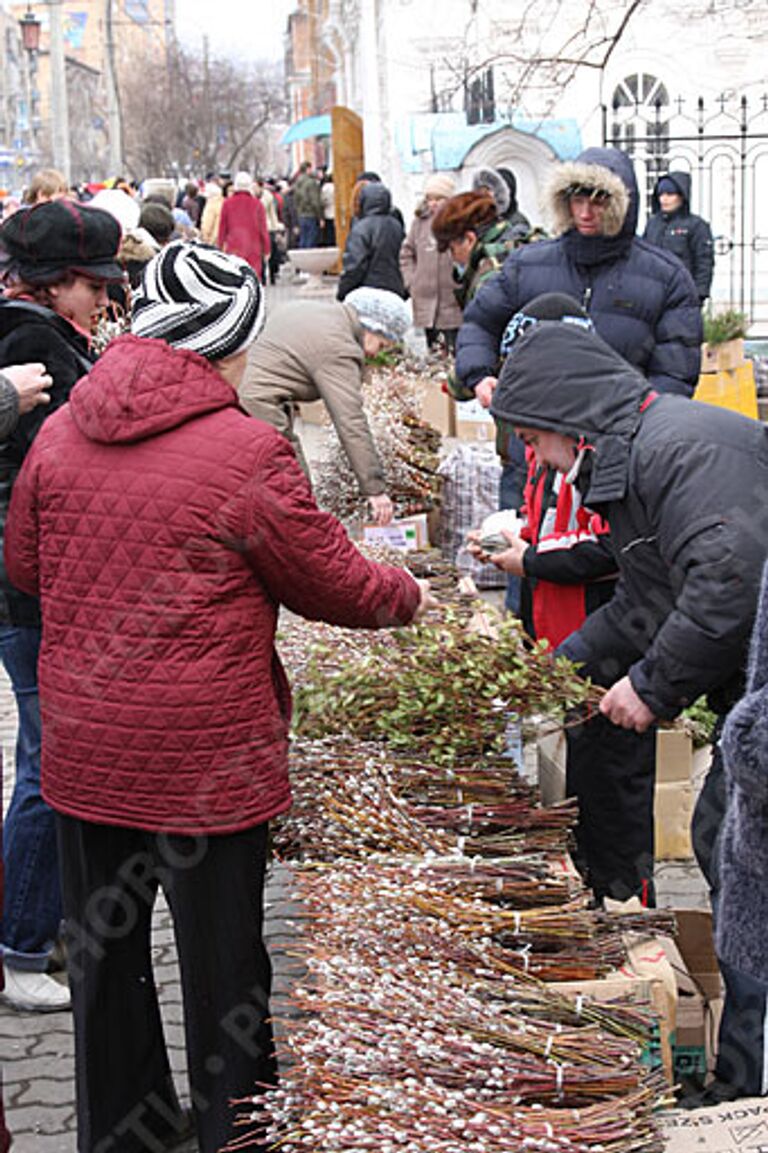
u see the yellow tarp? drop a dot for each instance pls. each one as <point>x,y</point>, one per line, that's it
<point>734,389</point>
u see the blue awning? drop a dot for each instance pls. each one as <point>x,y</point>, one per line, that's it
<point>440,141</point>
<point>306,128</point>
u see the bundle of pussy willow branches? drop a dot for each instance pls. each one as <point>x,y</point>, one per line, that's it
<point>409,449</point>
<point>441,690</point>
<point>356,800</point>
<point>412,1036</point>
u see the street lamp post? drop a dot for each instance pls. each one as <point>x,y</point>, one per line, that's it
<point>30,32</point>
<point>30,40</point>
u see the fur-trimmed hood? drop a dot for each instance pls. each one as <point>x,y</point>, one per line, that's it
<point>604,168</point>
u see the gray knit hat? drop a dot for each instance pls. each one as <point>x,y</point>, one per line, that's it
<point>194,296</point>
<point>380,311</point>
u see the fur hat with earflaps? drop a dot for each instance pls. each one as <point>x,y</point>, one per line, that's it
<point>491,181</point>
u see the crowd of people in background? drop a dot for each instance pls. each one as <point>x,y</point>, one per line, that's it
<point>281,212</point>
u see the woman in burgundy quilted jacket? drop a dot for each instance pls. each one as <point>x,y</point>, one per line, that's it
<point>163,528</point>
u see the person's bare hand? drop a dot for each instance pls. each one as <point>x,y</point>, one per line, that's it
<point>426,602</point>
<point>511,560</point>
<point>473,546</point>
<point>484,390</point>
<point>31,382</point>
<point>382,509</point>
<point>623,707</point>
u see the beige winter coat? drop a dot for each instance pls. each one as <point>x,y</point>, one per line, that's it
<point>428,276</point>
<point>313,350</point>
<point>209,222</point>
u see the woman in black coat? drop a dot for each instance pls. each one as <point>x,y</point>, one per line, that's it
<point>59,258</point>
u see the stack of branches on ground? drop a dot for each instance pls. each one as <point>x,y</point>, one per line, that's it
<point>409,449</point>
<point>433,913</point>
<point>412,1035</point>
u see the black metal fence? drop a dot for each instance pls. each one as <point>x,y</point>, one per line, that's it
<point>725,149</point>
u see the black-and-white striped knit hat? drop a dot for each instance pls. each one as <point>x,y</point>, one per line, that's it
<point>194,296</point>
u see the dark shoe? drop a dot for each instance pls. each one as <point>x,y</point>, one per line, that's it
<point>716,1093</point>
<point>57,962</point>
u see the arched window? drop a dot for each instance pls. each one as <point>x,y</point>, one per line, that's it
<point>640,124</point>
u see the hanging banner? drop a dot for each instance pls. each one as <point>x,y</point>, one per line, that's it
<point>74,28</point>
<point>137,10</point>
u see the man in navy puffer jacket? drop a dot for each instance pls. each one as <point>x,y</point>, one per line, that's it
<point>641,301</point>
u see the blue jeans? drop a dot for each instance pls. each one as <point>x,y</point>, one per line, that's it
<point>309,232</point>
<point>32,913</point>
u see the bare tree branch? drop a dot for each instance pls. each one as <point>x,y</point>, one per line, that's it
<point>198,115</point>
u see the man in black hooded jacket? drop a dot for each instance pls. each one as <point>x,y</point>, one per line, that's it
<point>674,227</point>
<point>372,254</point>
<point>684,487</point>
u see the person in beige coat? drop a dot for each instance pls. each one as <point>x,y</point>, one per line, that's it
<point>209,221</point>
<point>427,272</point>
<point>315,350</point>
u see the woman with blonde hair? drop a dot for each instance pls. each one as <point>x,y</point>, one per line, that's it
<point>47,184</point>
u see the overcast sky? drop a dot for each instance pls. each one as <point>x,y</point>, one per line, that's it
<point>247,29</point>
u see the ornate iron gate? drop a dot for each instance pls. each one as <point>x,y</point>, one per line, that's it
<point>725,150</point>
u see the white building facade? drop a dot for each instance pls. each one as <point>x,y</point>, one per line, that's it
<point>453,85</point>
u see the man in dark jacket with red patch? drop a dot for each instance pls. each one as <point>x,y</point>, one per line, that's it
<point>162,528</point>
<point>682,486</point>
<point>643,303</point>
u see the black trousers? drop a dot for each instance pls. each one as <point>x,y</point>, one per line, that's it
<point>214,885</point>
<point>612,772</point>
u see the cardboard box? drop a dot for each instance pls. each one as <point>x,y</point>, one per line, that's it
<point>551,771</point>
<point>699,994</point>
<point>404,534</point>
<point>722,357</point>
<point>473,422</point>
<point>697,947</point>
<point>732,388</point>
<point>738,1127</point>
<point>672,813</point>
<point>674,755</point>
<point>314,412</point>
<point>437,408</point>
